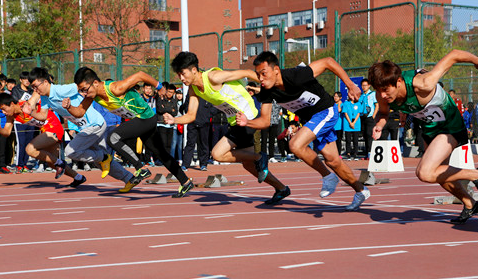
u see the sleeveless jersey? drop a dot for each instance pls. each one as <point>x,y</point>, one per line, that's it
<point>231,98</point>
<point>129,106</point>
<point>51,124</point>
<point>439,116</point>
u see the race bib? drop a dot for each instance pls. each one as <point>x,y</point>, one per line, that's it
<point>36,123</point>
<point>123,113</point>
<point>227,109</point>
<point>80,122</point>
<point>25,97</point>
<point>307,99</point>
<point>430,114</point>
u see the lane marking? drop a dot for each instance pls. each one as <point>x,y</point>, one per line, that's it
<point>8,204</point>
<point>218,216</point>
<point>5,218</point>
<point>171,244</point>
<point>136,207</point>
<point>234,256</point>
<point>300,265</point>
<point>453,245</point>
<point>71,212</point>
<point>70,230</point>
<point>387,253</point>
<point>68,201</point>
<point>252,235</point>
<point>147,223</point>
<point>72,256</point>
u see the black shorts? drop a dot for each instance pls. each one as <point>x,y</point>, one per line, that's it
<point>461,137</point>
<point>242,137</point>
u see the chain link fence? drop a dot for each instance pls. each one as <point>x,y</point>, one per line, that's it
<point>101,60</point>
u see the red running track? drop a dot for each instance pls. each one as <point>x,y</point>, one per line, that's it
<point>48,231</point>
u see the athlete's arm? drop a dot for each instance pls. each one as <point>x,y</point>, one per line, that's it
<point>381,120</point>
<point>425,84</point>
<point>220,77</point>
<point>187,118</point>
<point>328,63</point>
<point>7,130</point>
<point>78,111</point>
<point>30,104</point>
<point>259,123</point>
<point>120,87</point>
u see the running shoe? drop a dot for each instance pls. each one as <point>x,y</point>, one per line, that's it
<point>4,170</point>
<point>26,170</point>
<point>183,189</point>
<point>273,160</point>
<point>184,168</point>
<point>261,167</point>
<point>465,215</point>
<point>278,196</point>
<point>329,183</point>
<point>105,165</point>
<point>359,198</point>
<point>60,169</point>
<point>18,169</point>
<point>141,174</point>
<point>203,168</point>
<point>130,185</point>
<point>77,183</point>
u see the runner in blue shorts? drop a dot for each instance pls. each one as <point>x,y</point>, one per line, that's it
<point>297,90</point>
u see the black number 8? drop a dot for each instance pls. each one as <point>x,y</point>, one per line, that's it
<point>378,154</point>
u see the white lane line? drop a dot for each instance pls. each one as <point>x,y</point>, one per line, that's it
<point>219,216</point>
<point>234,256</point>
<point>12,204</point>
<point>300,265</point>
<point>71,212</point>
<point>70,230</point>
<point>388,253</point>
<point>5,218</point>
<point>213,277</point>
<point>252,235</point>
<point>387,187</point>
<point>68,201</point>
<point>147,223</point>
<point>72,256</point>
<point>388,201</point>
<point>453,245</point>
<point>321,228</point>
<point>136,207</point>
<point>170,244</point>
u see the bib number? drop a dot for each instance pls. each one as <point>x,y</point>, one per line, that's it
<point>80,122</point>
<point>430,114</point>
<point>123,113</point>
<point>227,109</point>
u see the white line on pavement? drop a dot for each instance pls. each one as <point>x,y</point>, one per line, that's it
<point>252,235</point>
<point>388,253</point>
<point>300,265</point>
<point>167,245</point>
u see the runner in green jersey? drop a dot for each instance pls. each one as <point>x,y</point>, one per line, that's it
<point>120,99</point>
<point>419,94</point>
<point>222,89</point>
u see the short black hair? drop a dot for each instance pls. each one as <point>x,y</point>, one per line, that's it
<point>24,75</point>
<point>11,80</point>
<point>365,80</point>
<point>266,56</point>
<point>251,83</point>
<point>295,123</point>
<point>147,84</point>
<point>338,93</point>
<point>38,73</point>
<point>184,60</point>
<point>3,77</point>
<point>85,74</point>
<point>7,99</point>
<point>172,87</point>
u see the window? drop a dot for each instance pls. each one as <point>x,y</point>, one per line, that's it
<point>301,18</point>
<point>427,17</point>
<point>157,35</point>
<point>300,46</point>
<point>322,14</point>
<point>277,19</point>
<point>157,5</point>
<point>322,41</point>
<point>105,28</point>
<point>253,22</point>
<point>274,46</point>
<point>254,49</point>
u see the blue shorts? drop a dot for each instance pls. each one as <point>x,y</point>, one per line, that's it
<point>322,125</point>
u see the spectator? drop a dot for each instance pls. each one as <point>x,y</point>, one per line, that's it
<point>3,83</point>
<point>220,126</point>
<point>458,102</point>
<point>167,104</point>
<point>177,142</point>
<point>10,84</point>
<point>391,127</point>
<point>288,133</point>
<point>150,96</point>
<point>24,133</point>
<point>351,111</point>
<point>3,146</point>
<point>369,120</point>
<point>198,132</point>
<point>339,126</point>
<point>269,135</point>
<point>467,118</point>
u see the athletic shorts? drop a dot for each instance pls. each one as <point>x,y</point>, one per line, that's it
<point>242,137</point>
<point>322,125</point>
<point>57,130</point>
<point>461,137</point>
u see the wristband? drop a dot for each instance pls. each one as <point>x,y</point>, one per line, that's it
<point>159,86</point>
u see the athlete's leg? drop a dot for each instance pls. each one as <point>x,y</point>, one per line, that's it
<point>299,145</point>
